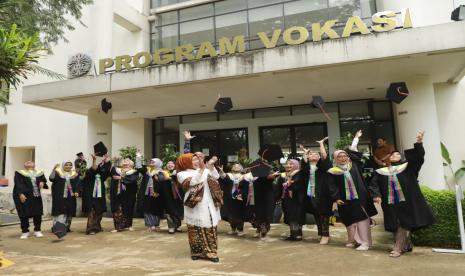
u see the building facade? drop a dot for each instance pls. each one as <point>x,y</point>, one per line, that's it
<point>163,63</point>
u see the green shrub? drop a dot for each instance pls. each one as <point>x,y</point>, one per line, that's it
<point>446,232</point>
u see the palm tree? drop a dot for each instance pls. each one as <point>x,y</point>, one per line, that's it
<point>19,55</point>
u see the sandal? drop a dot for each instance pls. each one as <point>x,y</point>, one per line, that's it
<point>395,254</point>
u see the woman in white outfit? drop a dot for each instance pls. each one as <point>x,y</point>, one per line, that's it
<point>202,203</point>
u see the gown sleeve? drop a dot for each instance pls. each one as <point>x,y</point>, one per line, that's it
<point>333,188</point>
<point>187,146</point>
<point>373,185</point>
<point>415,158</point>
<point>43,179</point>
<point>19,187</point>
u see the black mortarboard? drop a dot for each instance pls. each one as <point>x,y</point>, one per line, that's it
<point>271,152</point>
<point>79,153</point>
<point>259,169</point>
<point>100,149</point>
<point>223,105</point>
<point>59,229</point>
<point>106,105</point>
<point>397,92</point>
<point>318,102</point>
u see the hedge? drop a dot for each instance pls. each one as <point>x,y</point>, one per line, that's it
<point>446,232</point>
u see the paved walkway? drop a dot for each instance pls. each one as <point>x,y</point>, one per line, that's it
<point>144,253</point>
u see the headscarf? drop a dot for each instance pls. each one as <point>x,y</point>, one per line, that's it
<point>184,162</point>
<point>158,164</point>
<point>295,164</point>
<point>336,153</point>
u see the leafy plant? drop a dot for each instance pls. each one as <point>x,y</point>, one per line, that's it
<point>168,152</point>
<point>344,141</point>
<point>447,162</point>
<point>128,152</point>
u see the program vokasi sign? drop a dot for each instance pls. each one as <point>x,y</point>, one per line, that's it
<point>382,22</point>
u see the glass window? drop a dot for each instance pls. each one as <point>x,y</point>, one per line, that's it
<point>165,37</point>
<point>265,19</point>
<point>163,139</point>
<point>308,135</point>
<point>230,6</point>
<point>196,12</point>
<point>236,115</point>
<point>233,144</point>
<point>354,126</point>
<point>343,9</point>
<point>197,31</point>
<point>382,111</point>
<point>198,118</point>
<point>368,8</point>
<point>277,135</point>
<point>167,18</point>
<point>304,13</point>
<point>357,110</point>
<point>170,124</point>
<point>230,25</point>
<point>272,112</point>
<point>385,130</point>
<point>205,141</point>
<point>258,3</point>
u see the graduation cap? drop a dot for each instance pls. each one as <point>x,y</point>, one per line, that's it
<point>397,92</point>
<point>59,229</point>
<point>259,169</point>
<point>318,102</point>
<point>100,149</point>
<point>106,105</point>
<point>79,153</point>
<point>271,152</point>
<point>223,105</point>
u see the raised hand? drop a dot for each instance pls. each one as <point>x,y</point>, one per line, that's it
<point>358,134</point>
<point>322,140</point>
<point>93,157</point>
<point>56,166</point>
<point>188,136</point>
<point>420,136</point>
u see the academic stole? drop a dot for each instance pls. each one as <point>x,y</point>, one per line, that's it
<point>35,186</point>
<point>149,191</point>
<point>351,191</point>
<point>251,195</point>
<point>312,181</point>
<point>235,187</point>
<point>286,184</point>
<point>395,190</point>
<point>68,189</point>
<point>97,193</point>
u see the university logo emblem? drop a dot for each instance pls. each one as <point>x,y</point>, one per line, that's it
<point>79,65</point>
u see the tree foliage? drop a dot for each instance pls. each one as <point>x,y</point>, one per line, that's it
<point>50,18</point>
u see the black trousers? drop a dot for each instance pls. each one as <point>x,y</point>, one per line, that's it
<point>25,224</point>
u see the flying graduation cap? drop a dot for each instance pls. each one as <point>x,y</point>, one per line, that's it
<point>271,152</point>
<point>318,102</point>
<point>223,105</point>
<point>100,149</point>
<point>259,169</point>
<point>397,92</point>
<point>106,105</point>
<point>59,229</point>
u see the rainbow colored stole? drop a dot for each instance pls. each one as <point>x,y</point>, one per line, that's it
<point>235,188</point>
<point>67,176</point>
<point>311,192</point>
<point>395,192</point>
<point>149,190</point>
<point>32,175</point>
<point>251,196</point>
<point>349,183</point>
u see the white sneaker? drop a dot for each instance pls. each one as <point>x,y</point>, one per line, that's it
<point>24,236</point>
<point>131,229</point>
<point>38,234</point>
<point>240,233</point>
<point>362,248</point>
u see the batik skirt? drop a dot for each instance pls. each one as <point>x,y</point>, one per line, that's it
<point>203,241</point>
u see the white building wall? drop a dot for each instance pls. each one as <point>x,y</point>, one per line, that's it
<point>450,101</point>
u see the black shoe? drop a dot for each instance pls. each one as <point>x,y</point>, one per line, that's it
<point>194,258</point>
<point>215,260</point>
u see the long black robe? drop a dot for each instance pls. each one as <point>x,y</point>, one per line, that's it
<point>293,207</point>
<point>356,210</point>
<point>127,195</point>
<point>321,203</point>
<point>151,204</point>
<point>248,207</point>
<point>169,196</point>
<point>23,185</point>
<point>99,204</point>
<point>264,200</point>
<point>178,194</point>
<point>233,208</point>
<point>414,212</point>
<point>62,205</point>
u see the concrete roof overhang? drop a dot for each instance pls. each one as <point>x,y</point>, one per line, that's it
<point>340,69</point>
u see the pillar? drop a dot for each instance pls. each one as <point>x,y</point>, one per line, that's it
<point>99,128</point>
<point>416,113</point>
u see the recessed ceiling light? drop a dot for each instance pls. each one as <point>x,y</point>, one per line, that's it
<point>280,97</point>
<point>203,105</point>
<point>370,88</point>
<point>134,112</point>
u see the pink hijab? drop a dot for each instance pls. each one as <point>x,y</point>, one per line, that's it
<point>295,164</point>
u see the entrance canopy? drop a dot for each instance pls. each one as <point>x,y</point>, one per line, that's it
<point>359,67</point>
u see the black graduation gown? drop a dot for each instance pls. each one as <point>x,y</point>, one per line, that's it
<point>356,210</point>
<point>169,196</point>
<point>293,207</point>
<point>321,203</point>
<point>23,185</point>
<point>178,194</point>
<point>233,208</point>
<point>63,205</point>
<point>414,212</point>
<point>99,204</point>
<point>264,200</point>
<point>127,197</point>
<point>248,213</point>
<point>151,204</point>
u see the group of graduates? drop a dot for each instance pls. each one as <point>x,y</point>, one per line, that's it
<point>189,188</point>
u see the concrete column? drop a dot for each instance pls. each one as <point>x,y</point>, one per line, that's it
<point>418,112</point>
<point>102,26</point>
<point>99,128</point>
